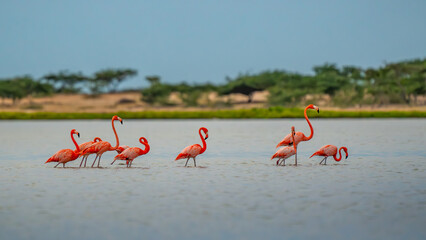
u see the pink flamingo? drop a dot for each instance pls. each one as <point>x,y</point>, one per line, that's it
<point>101,147</point>
<point>194,150</point>
<point>283,153</point>
<point>330,150</point>
<point>85,145</point>
<point>299,137</point>
<point>121,148</point>
<point>66,155</point>
<point>130,154</point>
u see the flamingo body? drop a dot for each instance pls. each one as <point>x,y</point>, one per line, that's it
<point>85,145</point>
<point>121,148</point>
<point>283,154</point>
<point>330,150</point>
<point>287,141</point>
<point>190,152</point>
<point>130,154</point>
<point>63,156</point>
<point>98,148</point>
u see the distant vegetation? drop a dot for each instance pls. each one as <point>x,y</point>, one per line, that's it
<point>259,113</point>
<point>394,83</point>
<point>64,82</point>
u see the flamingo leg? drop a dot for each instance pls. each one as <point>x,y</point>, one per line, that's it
<point>113,161</point>
<point>195,164</point>
<point>278,161</point>
<point>63,165</point>
<point>186,162</point>
<point>93,164</point>
<point>82,159</point>
<point>99,159</point>
<point>283,162</point>
<point>295,159</point>
<point>85,161</point>
<point>130,163</point>
<point>323,160</point>
<point>57,165</point>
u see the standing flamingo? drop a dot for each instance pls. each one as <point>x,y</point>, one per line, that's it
<point>299,137</point>
<point>130,154</point>
<point>101,147</point>
<point>286,152</point>
<point>85,145</point>
<point>66,155</point>
<point>330,150</point>
<point>193,150</point>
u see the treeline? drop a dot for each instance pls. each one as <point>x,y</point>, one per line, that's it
<point>64,82</point>
<point>394,83</point>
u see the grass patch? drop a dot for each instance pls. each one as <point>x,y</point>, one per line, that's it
<point>259,113</point>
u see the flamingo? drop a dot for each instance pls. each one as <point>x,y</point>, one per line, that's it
<point>130,154</point>
<point>66,155</point>
<point>121,148</point>
<point>330,150</point>
<point>299,137</point>
<point>101,147</point>
<point>286,152</point>
<point>85,145</point>
<point>194,150</point>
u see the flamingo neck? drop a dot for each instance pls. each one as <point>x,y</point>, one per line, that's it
<point>116,136</point>
<point>292,138</point>
<point>203,141</point>
<point>310,126</point>
<point>147,148</point>
<point>75,143</point>
<point>340,155</point>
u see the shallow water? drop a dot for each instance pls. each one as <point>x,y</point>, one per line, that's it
<point>235,193</point>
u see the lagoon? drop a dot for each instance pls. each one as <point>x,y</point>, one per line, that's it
<point>235,193</point>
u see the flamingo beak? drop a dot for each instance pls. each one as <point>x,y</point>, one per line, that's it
<point>318,110</point>
<point>347,156</point>
<point>78,134</point>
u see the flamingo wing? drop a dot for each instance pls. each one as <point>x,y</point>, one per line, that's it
<point>287,141</point>
<point>190,151</point>
<point>284,153</point>
<point>61,155</point>
<point>129,154</point>
<point>327,150</point>
<point>121,148</point>
<point>97,147</point>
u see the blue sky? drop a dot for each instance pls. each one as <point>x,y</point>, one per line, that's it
<point>205,41</point>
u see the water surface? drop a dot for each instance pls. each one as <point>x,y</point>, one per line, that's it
<point>237,193</point>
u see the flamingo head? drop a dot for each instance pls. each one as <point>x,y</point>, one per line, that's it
<point>346,151</point>
<point>75,132</point>
<point>143,140</point>
<point>97,139</point>
<point>206,132</point>
<point>312,106</point>
<point>117,118</point>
